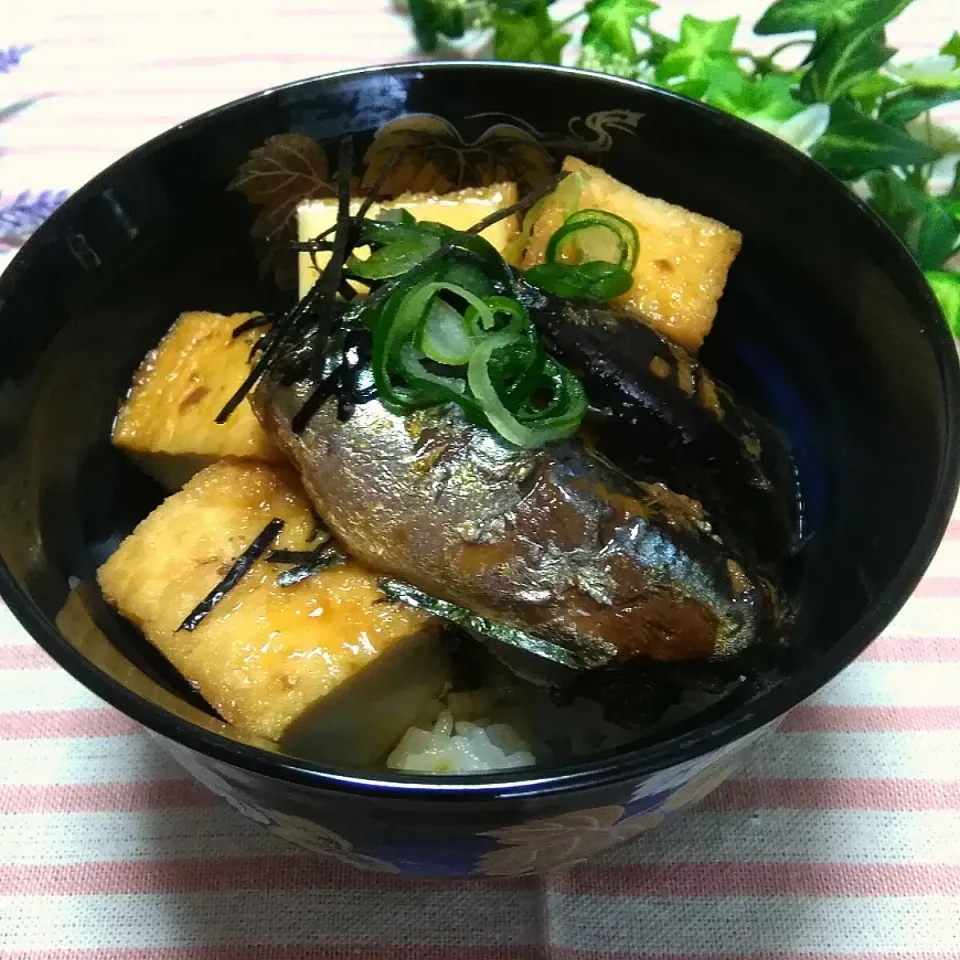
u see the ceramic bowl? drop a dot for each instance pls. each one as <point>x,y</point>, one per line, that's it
<point>827,327</point>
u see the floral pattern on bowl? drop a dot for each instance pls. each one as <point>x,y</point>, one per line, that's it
<point>521,849</point>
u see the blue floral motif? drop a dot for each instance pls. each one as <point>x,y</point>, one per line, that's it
<point>11,57</point>
<point>20,218</point>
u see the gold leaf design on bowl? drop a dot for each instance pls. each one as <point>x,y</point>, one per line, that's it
<point>562,840</point>
<point>286,170</point>
<point>434,156</point>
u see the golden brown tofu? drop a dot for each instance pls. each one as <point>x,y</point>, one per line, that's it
<point>265,654</point>
<point>168,417</point>
<point>683,261</point>
<point>460,210</point>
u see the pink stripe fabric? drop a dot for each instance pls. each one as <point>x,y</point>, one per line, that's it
<point>295,872</point>
<point>861,793</point>
<point>141,795</point>
<point>893,649</point>
<point>859,719</point>
<point>43,724</point>
<point>839,841</point>
<point>24,656</point>
<point>939,587</point>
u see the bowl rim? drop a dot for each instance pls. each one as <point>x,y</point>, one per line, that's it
<point>604,770</point>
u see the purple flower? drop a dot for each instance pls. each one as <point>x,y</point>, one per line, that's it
<point>20,218</point>
<point>10,57</point>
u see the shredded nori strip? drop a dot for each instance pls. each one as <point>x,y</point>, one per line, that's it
<point>319,529</point>
<point>330,280</point>
<point>320,296</point>
<point>291,556</point>
<point>254,323</point>
<point>342,381</point>
<point>308,246</point>
<point>412,597</point>
<point>319,560</point>
<point>235,574</point>
<point>522,204</point>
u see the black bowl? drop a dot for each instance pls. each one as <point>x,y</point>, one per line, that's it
<point>827,327</point>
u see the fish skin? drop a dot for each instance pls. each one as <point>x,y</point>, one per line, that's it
<point>656,412</point>
<point>552,541</point>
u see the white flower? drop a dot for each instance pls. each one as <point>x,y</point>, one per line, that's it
<point>936,71</point>
<point>802,130</point>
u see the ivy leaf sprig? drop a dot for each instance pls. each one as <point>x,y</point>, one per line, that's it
<point>840,96</point>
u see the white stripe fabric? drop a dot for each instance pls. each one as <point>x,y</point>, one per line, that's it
<point>841,838</point>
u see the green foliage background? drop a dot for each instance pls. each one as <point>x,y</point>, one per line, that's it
<point>874,128</point>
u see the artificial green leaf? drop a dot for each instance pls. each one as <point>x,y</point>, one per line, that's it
<point>905,105</point>
<point>610,25</point>
<point>803,130</point>
<point>937,236</point>
<point>527,36</point>
<point>768,97</point>
<point>660,46</point>
<point>869,90</point>
<point>702,43</point>
<point>433,19</point>
<point>846,58</point>
<point>856,143</point>
<point>946,287</point>
<point>694,89</point>
<point>938,136</point>
<point>616,64</point>
<point>952,46</point>
<point>825,16</point>
<point>924,223</point>
<point>898,202</point>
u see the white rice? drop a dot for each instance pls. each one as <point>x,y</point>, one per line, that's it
<point>458,746</point>
<point>482,730</point>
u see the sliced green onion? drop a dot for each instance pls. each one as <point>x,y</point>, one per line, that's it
<point>394,259</point>
<point>600,230</point>
<point>519,367</point>
<point>596,279</point>
<point>604,280</point>
<point>431,386</point>
<point>483,319</point>
<point>445,336</point>
<point>570,189</point>
<point>466,276</point>
<point>389,231</point>
<point>421,302</point>
<point>437,229</point>
<point>445,332</point>
<point>482,250</point>
<point>567,405</point>
<point>396,215</point>
<point>499,415</point>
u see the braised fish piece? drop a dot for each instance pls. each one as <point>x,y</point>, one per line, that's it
<point>550,540</point>
<point>656,412</point>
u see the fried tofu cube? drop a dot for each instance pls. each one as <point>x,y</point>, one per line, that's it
<point>683,261</point>
<point>168,417</point>
<point>460,210</point>
<point>265,654</point>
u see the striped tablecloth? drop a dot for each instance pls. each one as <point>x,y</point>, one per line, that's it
<point>841,839</point>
